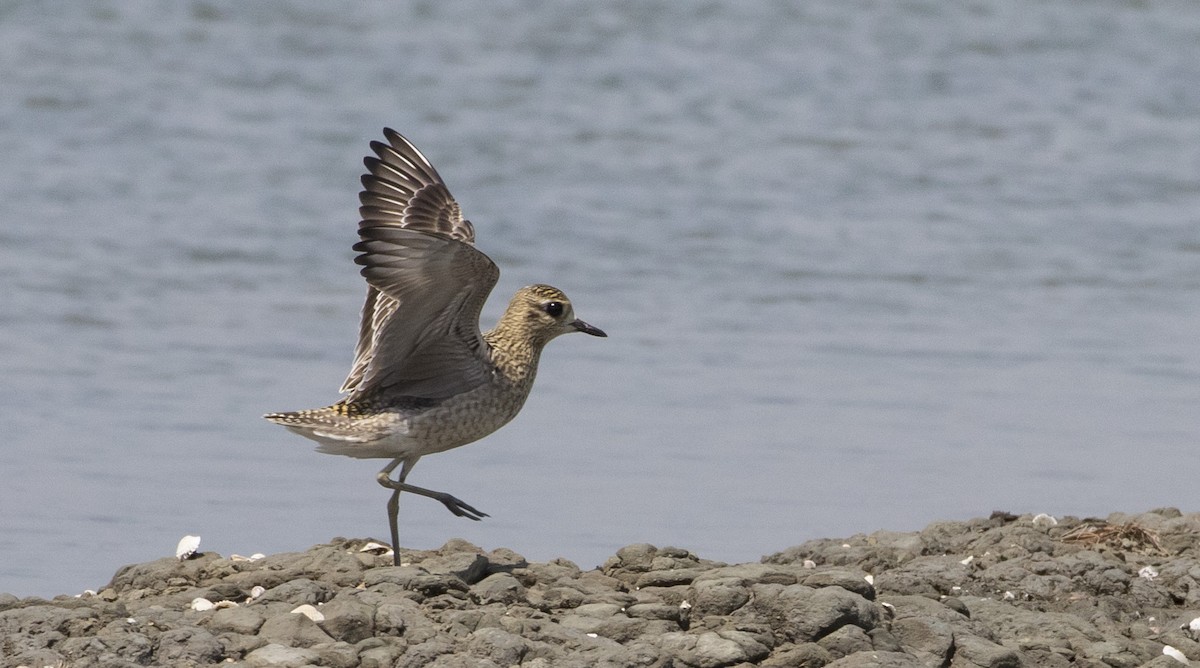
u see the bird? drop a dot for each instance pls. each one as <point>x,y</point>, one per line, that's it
<point>425,378</point>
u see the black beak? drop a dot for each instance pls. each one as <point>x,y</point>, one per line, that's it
<point>588,329</point>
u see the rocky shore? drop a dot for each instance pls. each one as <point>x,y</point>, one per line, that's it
<point>1001,591</point>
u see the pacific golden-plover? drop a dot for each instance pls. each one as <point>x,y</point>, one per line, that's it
<point>424,378</point>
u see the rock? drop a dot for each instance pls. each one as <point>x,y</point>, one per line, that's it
<point>298,592</point>
<point>972,650</point>
<point>853,581</point>
<point>707,649</point>
<point>500,646</point>
<point>931,640</point>
<point>498,588</point>
<point>241,620</point>
<point>381,656</point>
<point>846,640</point>
<point>466,566</point>
<point>337,655</point>
<point>997,591</point>
<point>873,659</point>
<point>718,597</point>
<point>189,645</point>
<point>803,614</point>
<point>391,618</point>
<point>293,630</point>
<point>347,618</point>
<point>807,655</point>
<point>279,656</point>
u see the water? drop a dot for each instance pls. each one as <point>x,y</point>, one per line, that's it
<point>863,265</point>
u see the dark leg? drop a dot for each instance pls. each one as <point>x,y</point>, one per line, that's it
<point>393,507</point>
<point>453,504</point>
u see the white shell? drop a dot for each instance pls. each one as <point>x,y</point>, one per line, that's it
<point>1009,596</point>
<point>1194,625</point>
<point>310,612</point>
<point>1044,520</point>
<point>1175,654</point>
<point>870,579</point>
<point>187,547</point>
<point>202,604</point>
<point>257,591</point>
<point>968,560</point>
<point>1148,572</point>
<point>376,548</point>
<point>685,605</point>
<point>254,557</point>
<point>225,604</point>
<point>810,564</point>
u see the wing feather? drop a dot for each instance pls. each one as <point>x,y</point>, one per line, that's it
<point>427,283</point>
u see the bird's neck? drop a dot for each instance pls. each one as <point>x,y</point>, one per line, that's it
<point>514,352</point>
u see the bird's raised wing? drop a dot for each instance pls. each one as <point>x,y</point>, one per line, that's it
<point>426,281</point>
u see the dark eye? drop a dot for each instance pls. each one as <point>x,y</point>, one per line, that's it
<point>555,309</point>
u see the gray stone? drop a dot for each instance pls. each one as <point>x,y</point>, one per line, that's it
<point>498,588</point>
<point>38,619</point>
<point>803,614</point>
<point>926,576</point>
<point>748,574</point>
<point>557,598</point>
<point>653,611</point>
<point>603,619</point>
<point>708,649</point>
<point>417,656</point>
<point>636,557</point>
<point>498,645</point>
<point>466,566</point>
<point>36,657</point>
<point>293,630</point>
<point>717,597</point>
<point>504,560</point>
<point>667,577</point>
<point>854,581</point>
<point>929,639</point>
<point>806,655</point>
<point>347,618</point>
<point>846,640</point>
<point>189,645</point>
<point>241,620</point>
<point>125,644</point>
<point>279,656</point>
<point>337,655</point>
<point>382,656</point>
<point>414,578</point>
<point>873,659</point>
<point>392,618</point>
<point>970,650</point>
<point>298,592</point>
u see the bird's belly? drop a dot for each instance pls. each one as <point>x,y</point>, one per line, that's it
<point>458,421</point>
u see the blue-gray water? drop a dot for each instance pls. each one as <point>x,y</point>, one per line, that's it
<point>863,265</point>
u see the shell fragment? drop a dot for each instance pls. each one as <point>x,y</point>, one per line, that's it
<point>187,547</point>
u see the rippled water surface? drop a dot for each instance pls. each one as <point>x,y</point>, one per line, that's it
<point>863,265</point>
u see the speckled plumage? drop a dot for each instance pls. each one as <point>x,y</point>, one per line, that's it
<point>424,378</point>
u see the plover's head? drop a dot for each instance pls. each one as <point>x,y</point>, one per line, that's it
<point>544,312</point>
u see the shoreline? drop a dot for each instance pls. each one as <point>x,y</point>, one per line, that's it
<point>1001,591</point>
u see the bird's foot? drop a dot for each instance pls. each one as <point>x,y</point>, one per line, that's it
<point>460,507</point>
